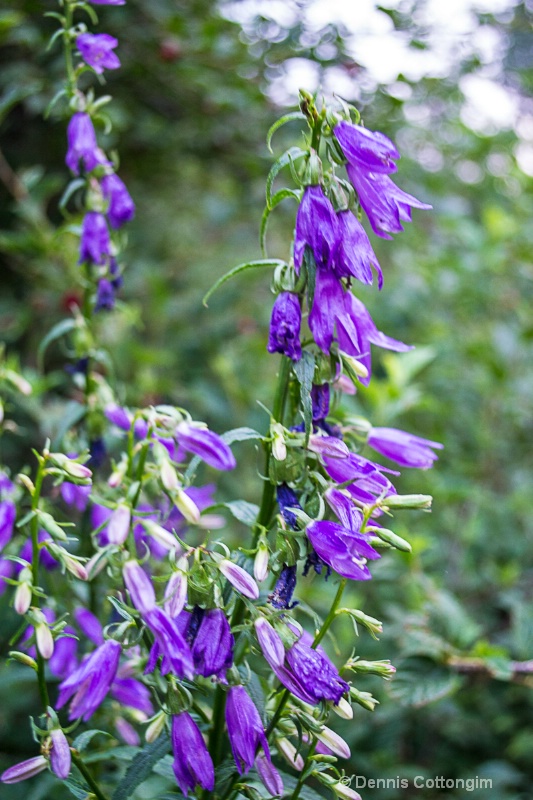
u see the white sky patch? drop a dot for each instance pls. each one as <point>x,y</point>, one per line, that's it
<point>489,106</point>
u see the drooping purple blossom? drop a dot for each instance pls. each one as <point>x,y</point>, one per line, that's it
<point>343,550</point>
<point>121,208</point>
<point>367,479</point>
<point>316,228</point>
<point>355,256</point>
<point>170,644</point>
<point>404,448</point>
<point>269,775</point>
<point>139,586</point>
<point>212,648</point>
<point>371,150</point>
<point>96,49</point>
<point>89,684</point>
<point>281,596</point>
<point>82,144</point>
<point>284,332</point>
<point>245,729</point>
<point>95,244</point>
<point>24,770</point>
<point>206,444</point>
<point>328,306</point>
<point>60,759</point>
<point>8,513</point>
<point>192,763</point>
<point>105,296</point>
<point>287,500</point>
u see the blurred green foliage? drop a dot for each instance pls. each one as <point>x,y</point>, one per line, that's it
<point>189,120</point>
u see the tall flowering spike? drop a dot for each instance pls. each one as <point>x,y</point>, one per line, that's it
<point>245,729</point>
<point>95,244</point>
<point>82,144</point>
<point>404,448</point>
<point>284,333</point>
<point>96,49</point>
<point>24,770</point>
<point>60,754</point>
<point>212,650</point>
<point>192,763</point>
<point>317,228</point>
<point>371,150</point>
<point>121,208</point>
<point>341,549</point>
<point>89,684</point>
<point>207,445</point>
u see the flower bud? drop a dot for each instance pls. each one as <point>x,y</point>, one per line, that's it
<point>118,526</point>
<point>343,709</point>
<point>60,754</point>
<point>343,791</point>
<point>289,753</point>
<point>334,742</point>
<point>176,590</point>
<point>23,592</point>
<point>160,534</point>
<point>44,638</point>
<point>364,699</point>
<point>261,561</point>
<point>352,365</point>
<point>279,448</point>
<point>419,501</point>
<point>186,505</point>
<point>27,482</point>
<point>51,526</point>
<point>382,668</point>
<point>370,623</point>
<point>239,579</point>
<point>127,732</point>
<point>270,642</point>
<point>23,658</point>
<point>118,474</point>
<point>391,538</point>
<point>156,727</point>
<point>168,476</point>
<point>24,770</point>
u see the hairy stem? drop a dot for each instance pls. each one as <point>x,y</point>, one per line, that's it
<point>95,789</point>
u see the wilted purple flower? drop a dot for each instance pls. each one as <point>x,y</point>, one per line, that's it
<point>96,49</point>
<point>317,228</point>
<point>95,244</point>
<point>404,448</point>
<point>356,331</point>
<point>24,770</point>
<point>91,681</point>
<point>207,445</point>
<point>8,513</point>
<point>75,495</point>
<point>371,150</point>
<point>281,597</point>
<point>287,500</point>
<point>245,729</point>
<point>60,754</point>
<point>121,208</point>
<point>105,296</point>
<point>192,763</point>
<point>212,649</point>
<point>82,144</point>
<point>239,579</point>
<point>355,256</point>
<point>343,550</point>
<point>284,333</point>
<point>314,670</point>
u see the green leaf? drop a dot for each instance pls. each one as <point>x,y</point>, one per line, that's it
<point>272,263</point>
<point>164,768</point>
<point>419,681</point>
<point>72,187</point>
<point>280,122</point>
<point>243,511</point>
<point>79,790</point>
<point>304,369</point>
<point>81,741</point>
<point>240,435</point>
<point>289,782</point>
<point>56,332</point>
<point>123,753</point>
<point>288,157</point>
<point>73,413</point>
<point>281,194</point>
<point>141,767</point>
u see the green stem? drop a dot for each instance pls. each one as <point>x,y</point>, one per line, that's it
<point>95,789</point>
<point>303,776</point>
<point>216,739</point>
<point>71,76</point>
<point>41,680</point>
<point>332,612</point>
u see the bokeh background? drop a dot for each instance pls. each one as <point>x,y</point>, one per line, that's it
<point>200,84</point>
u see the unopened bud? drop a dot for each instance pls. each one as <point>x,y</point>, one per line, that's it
<point>168,476</point>
<point>23,658</point>
<point>160,534</point>
<point>261,561</point>
<point>343,791</point>
<point>370,623</point>
<point>186,505</point>
<point>382,668</point>
<point>239,579</point>
<point>290,754</point>
<point>364,699</point>
<point>334,742</point>
<point>420,501</point>
<point>118,474</point>
<point>343,709</point>
<point>391,538</point>
<point>270,642</point>
<point>23,592</point>
<point>24,770</point>
<point>279,448</point>
<point>353,366</point>
<point>44,639</point>
<point>27,482</point>
<point>156,727</point>
<point>60,754</point>
<point>176,590</point>
<point>118,526</point>
<point>51,526</point>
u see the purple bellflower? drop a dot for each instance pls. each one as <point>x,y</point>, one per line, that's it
<point>284,333</point>
<point>64,659</point>
<point>212,647</point>
<point>245,729</point>
<point>287,500</point>
<point>75,495</point>
<point>24,770</point>
<point>95,244</point>
<point>192,763</point>
<point>96,49</point>
<point>404,448</point>
<point>368,481</point>
<point>105,296</point>
<point>269,775</point>
<point>355,256</point>
<point>89,684</point>
<point>316,228</point>
<point>82,144</point>
<point>121,207</point>
<point>60,754</point>
<point>342,549</point>
<point>370,150</point>
<point>8,512</point>
<point>206,444</point>
<point>328,306</point>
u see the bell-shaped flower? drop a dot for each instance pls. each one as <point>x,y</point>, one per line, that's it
<point>328,306</point>
<point>370,150</point>
<point>245,729</point>
<point>355,256</point>
<point>24,770</point>
<point>206,444</point>
<point>341,549</point>
<point>8,513</point>
<point>60,754</point>
<point>121,208</point>
<point>367,479</point>
<point>89,684</point>
<point>192,763</point>
<point>95,244</point>
<point>212,649</point>
<point>82,144</point>
<point>316,228</point>
<point>404,448</point>
<point>284,332</point>
<point>96,49</point>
